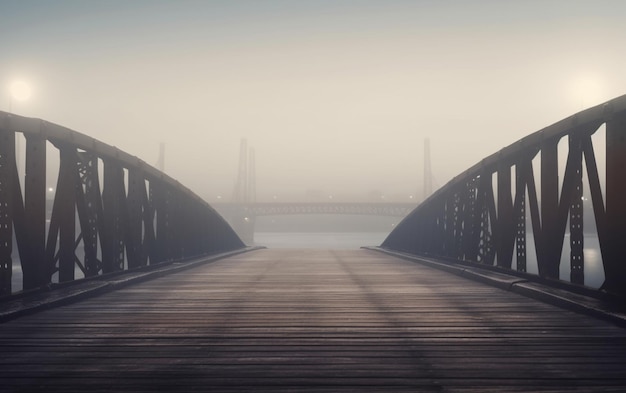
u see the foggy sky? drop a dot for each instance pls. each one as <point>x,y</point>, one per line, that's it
<point>334,96</point>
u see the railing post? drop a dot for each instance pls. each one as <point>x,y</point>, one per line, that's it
<point>89,206</point>
<point>615,256</point>
<point>149,237</point>
<point>505,232</point>
<point>577,270</point>
<point>162,206</point>
<point>63,220</point>
<point>459,216</point>
<point>113,197</point>
<point>548,259</point>
<point>486,208</point>
<point>471,227</point>
<point>136,199</point>
<point>36,272</point>
<point>7,168</point>
<point>438,237</point>
<point>519,213</point>
<point>448,240</point>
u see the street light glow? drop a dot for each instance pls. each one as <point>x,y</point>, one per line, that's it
<point>20,90</point>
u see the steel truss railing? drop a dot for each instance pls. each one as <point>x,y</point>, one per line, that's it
<point>473,219</point>
<point>124,213</point>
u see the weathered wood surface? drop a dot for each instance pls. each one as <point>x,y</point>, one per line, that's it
<point>311,320</point>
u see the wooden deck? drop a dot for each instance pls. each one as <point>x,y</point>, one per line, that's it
<point>311,320</point>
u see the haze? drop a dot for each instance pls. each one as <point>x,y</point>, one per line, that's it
<point>335,97</point>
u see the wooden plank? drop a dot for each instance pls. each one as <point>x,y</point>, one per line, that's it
<point>311,320</point>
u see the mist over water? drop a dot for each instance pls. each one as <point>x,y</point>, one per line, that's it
<point>319,240</point>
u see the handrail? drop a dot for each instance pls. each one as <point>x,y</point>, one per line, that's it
<point>471,219</point>
<point>124,213</point>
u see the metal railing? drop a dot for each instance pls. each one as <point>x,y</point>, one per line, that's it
<point>486,214</point>
<point>110,211</point>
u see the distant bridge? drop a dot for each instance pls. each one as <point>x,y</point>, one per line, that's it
<point>243,209</point>
<point>242,216</point>
<point>291,208</point>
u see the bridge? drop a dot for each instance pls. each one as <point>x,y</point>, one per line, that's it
<point>358,208</point>
<point>242,216</point>
<point>242,211</point>
<point>136,284</point>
